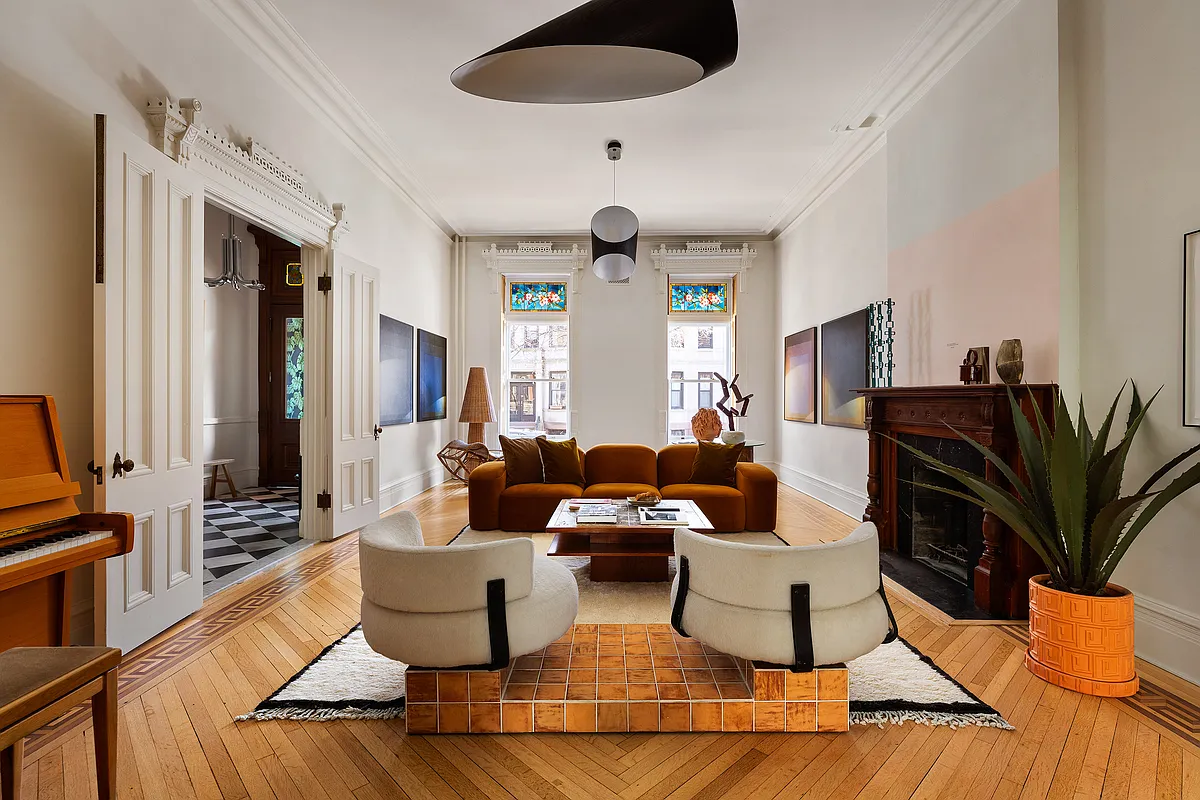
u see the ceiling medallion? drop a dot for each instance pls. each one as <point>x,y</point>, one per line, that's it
<point>614,233</point>
<point>608,50</point>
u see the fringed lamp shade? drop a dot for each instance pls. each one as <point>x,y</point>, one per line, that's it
<point>477,409</point>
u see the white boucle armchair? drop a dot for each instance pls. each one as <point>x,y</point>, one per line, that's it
<point>475,605</point>
<point>797,606</point>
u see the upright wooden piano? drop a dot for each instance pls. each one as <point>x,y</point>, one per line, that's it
<point>42,534</point>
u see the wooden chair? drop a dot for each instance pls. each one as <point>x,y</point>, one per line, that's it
<point>40,684</point>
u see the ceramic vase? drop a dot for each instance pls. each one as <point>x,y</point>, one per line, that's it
<point>1010,365</point>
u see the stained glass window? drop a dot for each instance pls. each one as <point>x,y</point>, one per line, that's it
<point>537,297</point>
<point>293,356</point>
<point>704,297</point>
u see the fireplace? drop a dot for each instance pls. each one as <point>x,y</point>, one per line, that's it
<point>927,536</point>
<point>943,532</point>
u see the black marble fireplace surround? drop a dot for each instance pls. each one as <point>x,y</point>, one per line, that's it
<point>939,538</point>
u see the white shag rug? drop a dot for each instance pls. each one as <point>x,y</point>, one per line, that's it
<point>893,684</point>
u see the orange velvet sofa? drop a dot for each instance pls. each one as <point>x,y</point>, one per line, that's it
<point>622,470</point>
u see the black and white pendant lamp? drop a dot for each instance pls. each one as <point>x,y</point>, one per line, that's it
<point>614,233</point>
<point>608,50</point>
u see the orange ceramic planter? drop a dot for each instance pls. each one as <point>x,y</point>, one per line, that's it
<point>1082,643</point>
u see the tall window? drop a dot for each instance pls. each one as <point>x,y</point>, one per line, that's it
<point>536,359</point>
<point>699,346</point>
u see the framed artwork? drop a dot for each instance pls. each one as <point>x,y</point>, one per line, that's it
<point>537,296</point>
<point>800,376</point>
<point>844,360</point>
<point>431,376</point>
<point>395,372</point>
<point>705,298</point>
<point>1191,329</point>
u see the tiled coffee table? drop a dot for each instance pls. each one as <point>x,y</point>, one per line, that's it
<point>626,551</point>
<point>627,678</point>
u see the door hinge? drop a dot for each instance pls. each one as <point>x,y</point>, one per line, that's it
<point>325,283</point>
<point>325,500</point>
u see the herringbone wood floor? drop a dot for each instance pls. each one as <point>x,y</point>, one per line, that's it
<point>180,692</point>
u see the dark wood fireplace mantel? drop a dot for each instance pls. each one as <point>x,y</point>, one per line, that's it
<point>983,413</point>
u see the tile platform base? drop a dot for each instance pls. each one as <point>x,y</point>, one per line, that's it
<point>627,678</point>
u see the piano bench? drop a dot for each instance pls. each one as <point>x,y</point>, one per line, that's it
<point>40,684</point>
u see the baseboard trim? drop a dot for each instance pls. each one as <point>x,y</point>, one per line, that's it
<point>843,498</point>
<point>1163,630</point>
<point>397,492</point>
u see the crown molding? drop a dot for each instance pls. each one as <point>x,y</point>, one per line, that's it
<point>703,258</point>
<point>269,39</point>
<point>534,258</point>
<point>948,33</point>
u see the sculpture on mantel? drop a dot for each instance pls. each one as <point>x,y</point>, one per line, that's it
<point>1010,364</point>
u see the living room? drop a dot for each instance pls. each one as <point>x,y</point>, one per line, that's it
<point>995,192</point>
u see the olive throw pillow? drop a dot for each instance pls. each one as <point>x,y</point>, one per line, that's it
<point>716,464</point>
<point>522,461</point>
<point>561,461</point>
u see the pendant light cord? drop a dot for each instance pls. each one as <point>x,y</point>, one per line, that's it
<point>614,183</point>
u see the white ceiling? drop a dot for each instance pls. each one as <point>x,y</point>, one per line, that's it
<point>723,155</point>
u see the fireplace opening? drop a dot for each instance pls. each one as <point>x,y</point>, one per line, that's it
<point>940,524</point>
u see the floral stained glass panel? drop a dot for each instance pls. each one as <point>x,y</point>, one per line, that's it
<point>293,356</point>
<point>537,297</point>
<point>700,297</point>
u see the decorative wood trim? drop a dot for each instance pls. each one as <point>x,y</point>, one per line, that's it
<point>252,177</point>
<point>534,258</point>
<point>704,258</point>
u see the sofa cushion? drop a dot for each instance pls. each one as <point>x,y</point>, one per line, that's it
<point>675,463</point>
<point>716,464</point>
<point>618,491</point>
<point>561,461</point>
<point>621,463</point>
<point>529,506</point>
<point>522,461</point>
<point>724,506</point>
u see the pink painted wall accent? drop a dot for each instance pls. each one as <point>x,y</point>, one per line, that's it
<point>987,276</point>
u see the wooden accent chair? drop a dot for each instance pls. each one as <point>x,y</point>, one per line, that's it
<point>40,684</point>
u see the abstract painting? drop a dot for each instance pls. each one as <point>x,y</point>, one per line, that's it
<point>537,297</point>
<point>702,297</point>
<point>395,372</point>
<point>844,358</point>
<point>800,376</point>
<point>431,376</point>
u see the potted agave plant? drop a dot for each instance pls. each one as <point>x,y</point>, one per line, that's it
<point>1070,510</point>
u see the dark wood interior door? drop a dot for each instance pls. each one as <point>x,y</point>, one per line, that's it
<point>281,360</point>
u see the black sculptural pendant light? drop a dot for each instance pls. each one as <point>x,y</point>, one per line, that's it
<point>614,233</point>
<point>608,50</point>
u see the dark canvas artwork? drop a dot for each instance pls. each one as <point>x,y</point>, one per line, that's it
<point>431,376</point>
<point>800,376</point>
<point>844,369</point>
<point>395,372</point>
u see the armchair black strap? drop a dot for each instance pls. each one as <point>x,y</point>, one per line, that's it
<point>893,629</point>
<point>497,624</point>
<point>801,628</point>
<point>680,597</point>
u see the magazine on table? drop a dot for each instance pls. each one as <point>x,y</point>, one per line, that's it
<point>662,516</point>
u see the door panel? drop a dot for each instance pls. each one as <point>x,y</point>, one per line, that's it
<point>355,394</point>
<point>148,351</point>
<point>281,360</point>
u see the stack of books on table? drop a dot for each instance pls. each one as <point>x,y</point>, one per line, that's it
<point>591,512</point>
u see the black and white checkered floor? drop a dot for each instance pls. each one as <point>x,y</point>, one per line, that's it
<point>248,532</point>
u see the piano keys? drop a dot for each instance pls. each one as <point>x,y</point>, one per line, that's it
<point>43,536</point>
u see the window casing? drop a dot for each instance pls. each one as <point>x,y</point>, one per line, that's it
<point>700,345</point>
<point>536,359</point>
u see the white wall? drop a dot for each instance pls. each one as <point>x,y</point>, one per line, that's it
<point>231,399</point>
<point>1139,180</point>
<point>61,61</point>
<point>831,263</point>
<point>619,346</point>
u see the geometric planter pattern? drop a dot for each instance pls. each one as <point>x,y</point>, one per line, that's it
<point>1082,643</point>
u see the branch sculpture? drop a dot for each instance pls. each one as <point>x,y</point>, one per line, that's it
<point>741,403</point>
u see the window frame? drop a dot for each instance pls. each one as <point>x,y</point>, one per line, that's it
<point>553,387</point>
<point>714,318</point>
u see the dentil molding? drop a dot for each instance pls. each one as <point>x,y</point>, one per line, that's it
<point>704,259</point>
<point>534,258</point>
<point>252,171</point>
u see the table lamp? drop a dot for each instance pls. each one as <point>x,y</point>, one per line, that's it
<point>477,407</point>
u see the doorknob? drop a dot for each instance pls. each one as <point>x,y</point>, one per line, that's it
<point>120,467</point>
<point>378,430</point>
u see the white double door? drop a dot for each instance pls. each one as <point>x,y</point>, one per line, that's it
<point>149,377</point>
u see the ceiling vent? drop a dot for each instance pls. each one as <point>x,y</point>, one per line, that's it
<point>623,282</point>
